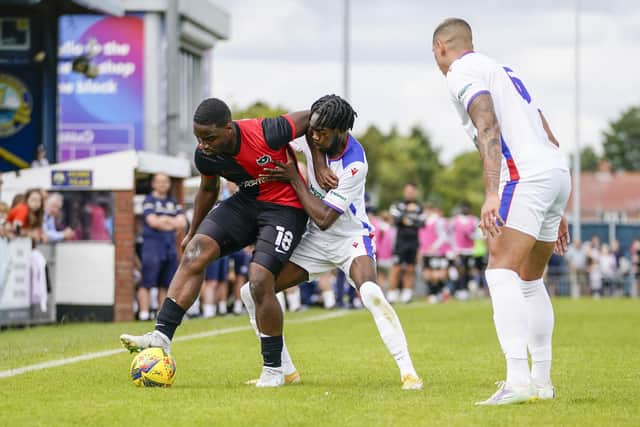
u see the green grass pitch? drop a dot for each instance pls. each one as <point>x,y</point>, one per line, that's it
<point>348,377</point>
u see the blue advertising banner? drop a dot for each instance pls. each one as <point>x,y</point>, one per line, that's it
<point>71,179</point>
<point>106,113</point>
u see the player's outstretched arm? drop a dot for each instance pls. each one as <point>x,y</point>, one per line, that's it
<point>206,196</point>
<point>484,119</point>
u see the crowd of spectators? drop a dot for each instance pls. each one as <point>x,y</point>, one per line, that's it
<point>598,269</point>
<point>414,241</point>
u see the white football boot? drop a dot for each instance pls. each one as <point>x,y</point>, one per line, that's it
<point>412,382</point>
<point>271,377</point>
<point>292,378</point>
<point>136,343</point>
<point>507,395</point>
<point>545,392</point>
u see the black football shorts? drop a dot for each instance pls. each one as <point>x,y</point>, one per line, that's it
<point>241,220</point>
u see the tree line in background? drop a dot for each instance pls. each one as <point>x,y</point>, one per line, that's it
<point>621,144</point>
<point>396,158</point>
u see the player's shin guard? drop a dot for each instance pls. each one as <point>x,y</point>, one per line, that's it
<point>541,320</point>
<point>388,325</point>
<point>247,299</point>
<point>169,318</point>
<point>510,318</point>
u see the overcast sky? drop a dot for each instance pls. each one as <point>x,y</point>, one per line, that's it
<point>289,52</point>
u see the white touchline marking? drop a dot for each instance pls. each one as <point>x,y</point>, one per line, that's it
<point>98,354</point>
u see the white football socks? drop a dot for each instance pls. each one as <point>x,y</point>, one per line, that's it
<point>237,306</point>
<point>245,293</point>
<point>541,321</point>
<point>393,295</point>
<point>388,325</point>
<point>208,310</point>
<point>406,295</point>
<point>222,307</point>
<point>510,319</point>
<point>293,299</point>
<point>328,299</point>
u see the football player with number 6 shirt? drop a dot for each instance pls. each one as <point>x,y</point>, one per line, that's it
<point>527,185</point>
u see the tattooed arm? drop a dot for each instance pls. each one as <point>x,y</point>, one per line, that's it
<point>486,123</point>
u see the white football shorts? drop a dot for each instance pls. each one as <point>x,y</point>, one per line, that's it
<point>318,253</point>
<point>535,205</point>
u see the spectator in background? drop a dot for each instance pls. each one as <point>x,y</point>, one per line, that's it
<point>635,260</point>
<point>26,217</point>
<point>96,218</point>
<point>577,259</point>
<point>162,217</point>
<point>4,212</point>
<point>480,256</point>
<point>407,217</point>
<point>555,273</point>
<point>241,260</point>
<point>432,236</point>
<point>40,157</point>
<point>609,269</point>
<point>385,236</point>
<point>593,263</point>
<point>463,227</point>
<point>17,199</point>
<point>52,207</point>
<point>214,290</point>
<point>4,241</point>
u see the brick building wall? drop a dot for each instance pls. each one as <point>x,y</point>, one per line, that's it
<point>124,237</point>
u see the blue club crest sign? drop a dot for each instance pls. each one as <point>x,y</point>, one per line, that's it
<point>15,105</point>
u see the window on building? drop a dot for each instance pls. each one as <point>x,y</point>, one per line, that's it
<point>190,90</point>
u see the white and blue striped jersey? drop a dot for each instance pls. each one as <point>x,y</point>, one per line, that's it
<point>348,199</point>
<point>526,148</point>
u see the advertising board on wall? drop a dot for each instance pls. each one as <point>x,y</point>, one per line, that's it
<point>105,113</point>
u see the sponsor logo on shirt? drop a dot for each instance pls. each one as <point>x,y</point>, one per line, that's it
<point>464,90</point>
<point>252,183</point>
<point>263,160</point>
<point>338,195</point>
<point>316,192</point>
<point>354,171</point>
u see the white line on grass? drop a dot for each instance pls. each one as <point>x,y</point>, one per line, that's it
<point>98,354</point>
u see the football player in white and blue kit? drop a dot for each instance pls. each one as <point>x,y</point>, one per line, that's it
<point>339,234</point>
<point>527,185</point>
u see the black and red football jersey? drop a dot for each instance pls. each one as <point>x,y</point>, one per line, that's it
<point>260,142</point>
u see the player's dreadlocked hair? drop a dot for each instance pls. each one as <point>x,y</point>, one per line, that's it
<point>333,113</point>
<point>212,111</point>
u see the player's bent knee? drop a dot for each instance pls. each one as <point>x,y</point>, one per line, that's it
<point>261,287</point>
<point>198,254</point>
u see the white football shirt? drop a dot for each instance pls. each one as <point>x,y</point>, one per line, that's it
<point>526,148</point>
<point>348,199</point>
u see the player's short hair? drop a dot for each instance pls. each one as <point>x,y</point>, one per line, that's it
<point>333,113</point>
<point>457,27</point>
<point>212,111</point>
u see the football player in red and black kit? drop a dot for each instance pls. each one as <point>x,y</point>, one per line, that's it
<point>267,214</point>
